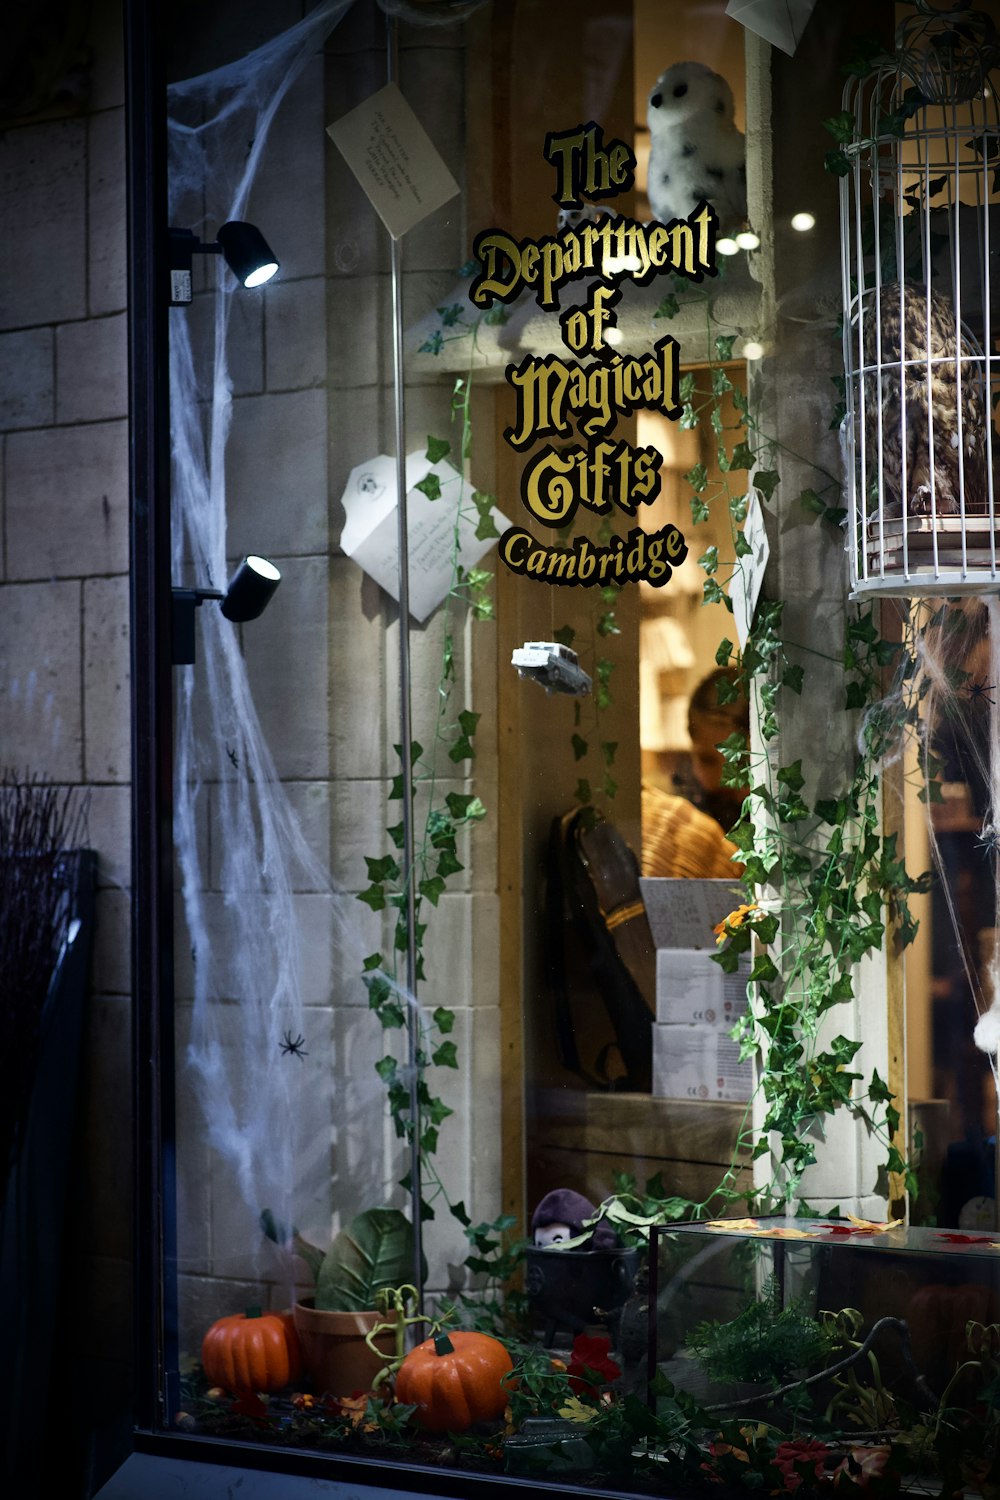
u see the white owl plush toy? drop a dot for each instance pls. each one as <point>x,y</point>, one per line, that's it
<point>695,150</point>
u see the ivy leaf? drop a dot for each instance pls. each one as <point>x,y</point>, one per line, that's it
<point>436,449</point>
<point>609,749</point>
<point>699,510</point>
<point>448,863</point>
<point>432,345</point>
<point>836,163</point>
<point>607,624</point>
<point>386,1068</point>
<point>382,869</point>
<point>811,503</point>
<point>583,793</point>
<point>432,887</point>
<point>430,486</point>
<point>841,126</point>
<point>445,1056</point>
<point>766,481</point>
<point>451,314</point>
<point>580,747</point>
<point>743,457</point>
<point>724,346</point>
<point>723,652</point>
<point>565,635</point>
<point>465,807</point>
<point>444,1019</point>
<point>697,478</point>
<point>792,777</point>
<point>373,897</point>
<point>668,308</point>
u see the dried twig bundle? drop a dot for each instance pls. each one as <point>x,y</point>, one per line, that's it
<point>39,824</point>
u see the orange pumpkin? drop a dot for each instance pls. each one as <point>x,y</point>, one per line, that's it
<point>252,1351</point>
<point>454,1380</point>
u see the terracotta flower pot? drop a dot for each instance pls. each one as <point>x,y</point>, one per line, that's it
<point>334,1352</point>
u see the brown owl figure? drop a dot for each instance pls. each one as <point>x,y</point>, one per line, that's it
<point>921,393</point>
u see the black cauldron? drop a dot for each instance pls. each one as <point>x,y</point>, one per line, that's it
<point>570,1289</point>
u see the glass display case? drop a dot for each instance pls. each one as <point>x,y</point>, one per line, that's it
<point>828,1351</point>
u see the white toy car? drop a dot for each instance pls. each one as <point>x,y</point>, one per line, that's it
<point>553,665</point>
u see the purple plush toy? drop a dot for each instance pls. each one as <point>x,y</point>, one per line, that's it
<point>560,1216</point>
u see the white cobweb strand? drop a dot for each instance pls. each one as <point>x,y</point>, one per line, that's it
<point>246,947</point>
<point>987,1033</point>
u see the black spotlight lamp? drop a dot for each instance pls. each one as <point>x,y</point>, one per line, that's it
<point>250,589</point>
<point>246,597</point>
<point>247,254</point>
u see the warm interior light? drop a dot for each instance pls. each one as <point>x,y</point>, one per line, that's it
<point>747,240</point>
<point>803,222</point>
<point>613,335</point>
<point>727,246</point>
<point>753,350</point>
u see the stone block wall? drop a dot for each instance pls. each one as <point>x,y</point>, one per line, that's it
<point>64,666</point>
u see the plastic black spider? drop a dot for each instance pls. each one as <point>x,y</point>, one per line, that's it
<point>293,1046</point>
<point>980,691</point>
<point>989,839</point>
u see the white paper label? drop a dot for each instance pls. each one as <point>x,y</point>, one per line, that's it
<point>394,160</point>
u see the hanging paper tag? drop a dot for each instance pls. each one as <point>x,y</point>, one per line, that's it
<point>748,575</point>
<point>394,160</point>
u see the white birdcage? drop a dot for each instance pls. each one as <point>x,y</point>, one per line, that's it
<point>921,297</point>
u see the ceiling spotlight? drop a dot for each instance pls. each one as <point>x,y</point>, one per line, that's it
<point>753,350</point>
<point>727,246</point>
<point>247,253</point>
<point>747,240</point>
<point>613,336</point>
<point>246,597</point>
<point>803,222</point>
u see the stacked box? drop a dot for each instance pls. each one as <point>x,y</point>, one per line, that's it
<point>698,1062</point>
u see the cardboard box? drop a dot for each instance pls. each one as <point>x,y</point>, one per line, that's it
<point>692,990</point>
<point>698,1062</point>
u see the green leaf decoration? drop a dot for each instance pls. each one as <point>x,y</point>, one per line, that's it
<point>697,478</point>
<point>467,721</point>
<point>446,1056</point>
<point>792,678</point>
<point>668,308</point>
<point>486,528</point>
<point>583,793</point>
<point>374,1253</point>
<point>565,635</point>
<point>432,887</point>
<point>430,486</point>
<point>766,481</point>
<point>448,863</point>
<point>580,746</point>
<point>373,961</point>
<point>451,314</point>
<point>382,869</point>
<point>743,457</point>
<point>723,652</point>
<point>841,126</point>
<point>465,806</point>
<point>432,345</point>
<point>444,1019</point>
<point>699,510</point>
<point>609,749</point>
<point>724,346</point>
<point>436,449</point>
<point>836,163</point>
<point>373,897</point>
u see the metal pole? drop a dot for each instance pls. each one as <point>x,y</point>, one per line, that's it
<point>155,1284</point>
<point>406,717</point>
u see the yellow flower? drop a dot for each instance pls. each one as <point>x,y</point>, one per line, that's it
<point>736,918</point>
